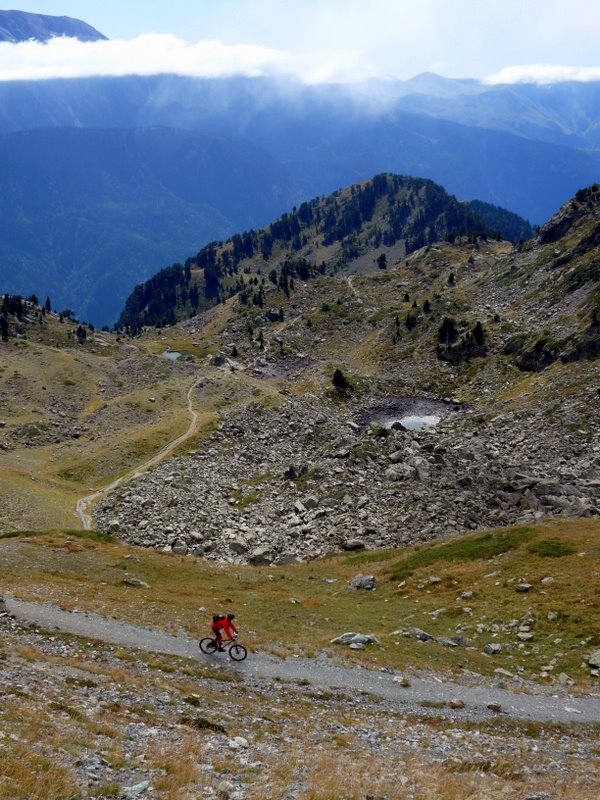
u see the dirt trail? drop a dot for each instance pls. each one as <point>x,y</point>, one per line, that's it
<point>544,704</point>
<point>85,502</point>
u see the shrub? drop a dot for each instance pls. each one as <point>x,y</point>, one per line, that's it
<point>550,548</point>
<point>340,382</point>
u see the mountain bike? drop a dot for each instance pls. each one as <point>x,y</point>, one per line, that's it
<point>236,651</point>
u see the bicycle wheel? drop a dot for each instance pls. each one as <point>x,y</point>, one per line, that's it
<point>208,646</point>
<point>238,652</point>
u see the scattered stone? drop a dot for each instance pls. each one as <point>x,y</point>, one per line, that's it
<point>492,649</point>
<point>524,587</point>
<point>416,633</point>
<point>352,638</point>
<point>524,636</point>
<point>455,703</point>
<point>136,790</point>
<point>495,707</point>
<point>136,582</point>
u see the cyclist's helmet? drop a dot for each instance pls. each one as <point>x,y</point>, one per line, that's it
<point>230,616</point>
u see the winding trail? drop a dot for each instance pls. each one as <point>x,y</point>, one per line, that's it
<point>352,286</point>
<point>548,704</point>
<point>85,502</point>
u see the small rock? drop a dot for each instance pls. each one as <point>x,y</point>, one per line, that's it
<point>455,703</point>
<point>495,707</point>
<point>524,587</point>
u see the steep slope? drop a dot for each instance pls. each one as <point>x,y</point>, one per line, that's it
<point>88,213</point>
<point>384,218</point>
<point>497,344</point>
<point>21,26</point>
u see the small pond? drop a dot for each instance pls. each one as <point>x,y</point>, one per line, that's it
<point>411,413</point>
<point>414,422</point>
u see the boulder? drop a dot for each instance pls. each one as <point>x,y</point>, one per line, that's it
<point>415,633</point>
<point>261,556</point>
<point>400,472</point>
<point>353,544</point>
<point>594,659</point>
<point>360,581</point>
<point>218,360</point>
<point>179,547</point>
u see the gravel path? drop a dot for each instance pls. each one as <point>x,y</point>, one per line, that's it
<point>85,502</point>
<point>543,707</point>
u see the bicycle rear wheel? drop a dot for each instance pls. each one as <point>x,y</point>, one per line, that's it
<point>238,652</point>
<point>208,646</point>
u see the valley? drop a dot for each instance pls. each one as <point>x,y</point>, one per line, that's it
<point>267,470</point>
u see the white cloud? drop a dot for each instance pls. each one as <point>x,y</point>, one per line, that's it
<point>311,62</point>
<point>149,54</point>
<point>543,74</point>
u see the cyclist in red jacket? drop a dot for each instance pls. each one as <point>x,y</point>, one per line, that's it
<point>220,625</point>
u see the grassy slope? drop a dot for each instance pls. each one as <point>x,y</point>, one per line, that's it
<point>294,609</point>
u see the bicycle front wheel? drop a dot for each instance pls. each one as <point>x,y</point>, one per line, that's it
<point>208,646</point>
<point>238,652</point>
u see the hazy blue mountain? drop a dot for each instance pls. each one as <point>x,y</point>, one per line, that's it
<point>87,214</point>
<point>326,136</point>
<point>563,113</point>
<point>20,26</point>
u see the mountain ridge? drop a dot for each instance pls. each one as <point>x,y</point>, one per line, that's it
<point>389,215</point>
<point>23,26</point>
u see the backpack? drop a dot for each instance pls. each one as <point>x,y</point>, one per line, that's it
<point>218,617</point>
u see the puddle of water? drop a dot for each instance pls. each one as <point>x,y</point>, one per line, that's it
<point>172,355</point>
<point>414,422</point>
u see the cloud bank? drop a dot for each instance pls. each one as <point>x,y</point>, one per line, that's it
<point>544,74</point>
<point>152,54</point>
<point>149,54</point>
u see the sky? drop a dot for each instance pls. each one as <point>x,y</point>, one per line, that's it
<point>321,40</point>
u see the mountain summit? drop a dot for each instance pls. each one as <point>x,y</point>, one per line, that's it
<point>21,26</point>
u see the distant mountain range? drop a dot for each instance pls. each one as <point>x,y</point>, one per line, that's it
<point>20,26</point>
<point>236,152</point>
